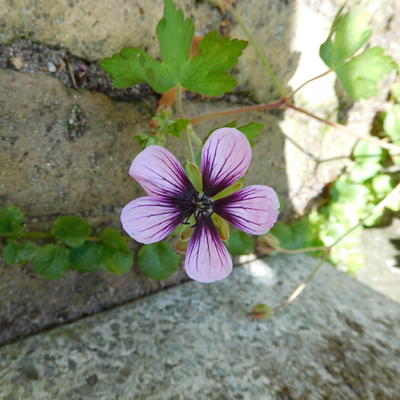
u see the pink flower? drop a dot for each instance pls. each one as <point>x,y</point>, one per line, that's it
<point>172,199</point>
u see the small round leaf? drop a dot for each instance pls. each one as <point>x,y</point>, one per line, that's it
<point>71,229</point>
<point>11,219</point>
<point>18,253</point>
<point>240,243</point>
<point>51,261</point>
<point>158,260</point>
<point>87,258</point>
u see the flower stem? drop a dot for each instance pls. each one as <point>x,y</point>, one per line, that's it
<point>234,111</point>
<point>258,50</point>
<point>179,109</point>
<point>343,128</point>
<point>302,285</point>
<point>304,250</point>
<point>307,82</point>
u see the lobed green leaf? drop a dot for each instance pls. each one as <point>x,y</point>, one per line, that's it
<point>349,33</point>
<point>207,72</point>
<point>125,67</point>
<point>360,76</point>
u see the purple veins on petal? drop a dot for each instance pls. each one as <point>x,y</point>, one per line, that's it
<point>225,158</point>
<point>149,219</point>
<point>159,172</point>
<point>253,209</point>
<point>207,259</point>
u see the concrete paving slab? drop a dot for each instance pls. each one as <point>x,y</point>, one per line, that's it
<point>339,340</point>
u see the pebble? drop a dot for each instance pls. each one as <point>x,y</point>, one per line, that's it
<point>51,67</point>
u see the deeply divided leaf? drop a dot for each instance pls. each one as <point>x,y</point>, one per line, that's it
<point>206,73</point>
<point>125,68</point>
<point>359,74</point>
<point>348,34</point>
<point>208,70</point>
<point>175,34</point>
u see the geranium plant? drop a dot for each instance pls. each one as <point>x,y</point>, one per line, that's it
<point>194,203</point>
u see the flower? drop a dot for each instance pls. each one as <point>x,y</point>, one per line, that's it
<point>172,199</point>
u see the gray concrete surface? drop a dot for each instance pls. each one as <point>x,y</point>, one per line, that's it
<point>339,341</point>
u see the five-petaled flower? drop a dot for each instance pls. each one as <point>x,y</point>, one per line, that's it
<point>172,199</point>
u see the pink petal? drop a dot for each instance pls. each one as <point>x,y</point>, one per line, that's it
<point>225,158</point>
<point>253,209</point>
<point>159,172</point>
<point>207,259</point>
<point>149,219</point>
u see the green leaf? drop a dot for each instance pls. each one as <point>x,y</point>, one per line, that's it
<point>51,261</point>
<point>146,140</point>
<point>116,256</point>
<point>114,240</point>
<point>11,219</point>
<point>88,257</point>
<point>159,260</point>
<point>349,33</point>
<point>283,233</point>
<point>367,156</point>
<point>394,203</point>
<point>176,127</point>
<point>252,131</point>
<point>382,184</point>
<point>360,76</point>
<point>125,67</point>
<point>366,152</point>
<point>362,172</point>
<point>345,191</point>
<point>391,124</point>
<point>116,262</point>
<point>71,230</point>
<point>19,253</point>
<point>240,242</point>
<point>207,72</point>
<point>175,34</point>
<point>396,91</point>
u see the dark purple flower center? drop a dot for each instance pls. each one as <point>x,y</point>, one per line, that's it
<point>194,203</point>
